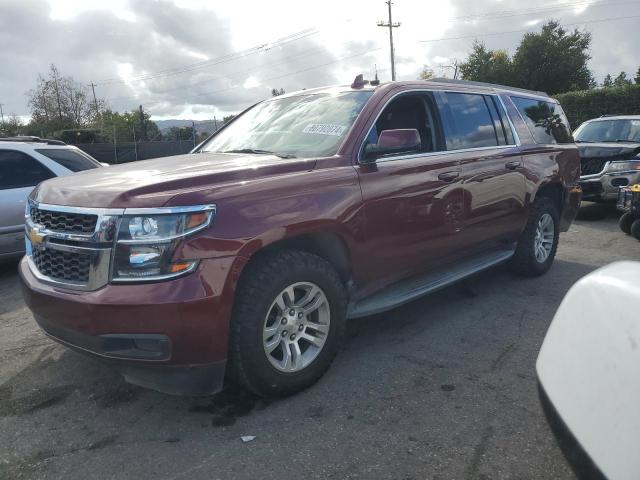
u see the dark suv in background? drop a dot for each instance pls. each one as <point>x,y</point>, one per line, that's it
<point>247,257</point>
<point>610,155</point>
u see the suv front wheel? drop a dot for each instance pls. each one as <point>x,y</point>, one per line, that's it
<point>538,243</point>
<point>288,322</point>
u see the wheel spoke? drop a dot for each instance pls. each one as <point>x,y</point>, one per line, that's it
<point>320,327</point>
<point>289,295</point>
<point>315,341</point>
<point>310,295</point>
<point>314,304</point>
<point>296,357</point>
<point>272,344</point>
<point>285,363</point>
<point>270,331</point>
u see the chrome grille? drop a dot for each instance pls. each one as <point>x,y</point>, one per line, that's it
<point>64,221</point>
<point>592,166</point>
<point>60,265</point>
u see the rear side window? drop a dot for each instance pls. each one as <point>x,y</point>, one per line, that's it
<point>546,120</point>
<point>18,170</point>
<point>469,122</point>
<point>68,158</point>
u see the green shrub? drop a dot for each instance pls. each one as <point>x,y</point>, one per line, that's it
<point>586,104</point>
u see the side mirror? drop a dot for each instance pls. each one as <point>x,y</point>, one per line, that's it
<point>401,140</point>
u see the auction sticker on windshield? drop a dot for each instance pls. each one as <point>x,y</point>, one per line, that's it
<point>324,129</point>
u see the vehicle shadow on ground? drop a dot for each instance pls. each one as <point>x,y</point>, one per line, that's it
<point>380,360</point>
<point>598,211</point>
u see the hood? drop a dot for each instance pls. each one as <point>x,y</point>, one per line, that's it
<point>152,183</point>
<point>608,150</point>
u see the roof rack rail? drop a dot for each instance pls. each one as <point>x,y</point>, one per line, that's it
<point>484,84</point>
<point>32,139</point>
<point>611,115</point>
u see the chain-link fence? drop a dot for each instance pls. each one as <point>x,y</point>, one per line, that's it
<point>132,151</point>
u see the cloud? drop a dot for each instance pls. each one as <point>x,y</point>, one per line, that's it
<point>127,47</point>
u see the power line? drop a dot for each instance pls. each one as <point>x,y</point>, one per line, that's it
<point>486,34</point>
<point>209,63</point>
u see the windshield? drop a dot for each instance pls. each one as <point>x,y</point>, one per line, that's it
<point>302,126</point>
<point>609,131</point>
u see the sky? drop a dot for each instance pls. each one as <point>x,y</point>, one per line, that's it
<point>200,59</point>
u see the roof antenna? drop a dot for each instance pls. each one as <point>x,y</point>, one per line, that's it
<point>359,81</point>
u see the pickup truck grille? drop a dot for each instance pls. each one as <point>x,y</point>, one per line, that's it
<point>592,166</point>
<point>65,222</point>
<point>66,266</point>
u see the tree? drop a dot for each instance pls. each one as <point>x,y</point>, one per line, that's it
<point>621,80</point>
<point>11,126</point>
<point>484,65</point>
<point>553,60</point>
<point>59,103</point>
<point>275,92</point>
<point>426,73</point>
<point>637,79</point>
<point>608,81</point>
<point>123,126</point>
<point>227,119</point>
<point>179,133</point>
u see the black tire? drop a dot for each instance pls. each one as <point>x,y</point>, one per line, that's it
<point>524,261</point>
<point>635,229</point>
<point>625,222</point>
<point>265,277</point>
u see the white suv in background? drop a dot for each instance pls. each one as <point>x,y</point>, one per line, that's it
<point>24,163</point>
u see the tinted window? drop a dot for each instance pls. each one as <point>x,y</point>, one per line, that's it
<point>546,120</point>
<point>68,158</point>
<point>470,123</point>
<point>19,170</point>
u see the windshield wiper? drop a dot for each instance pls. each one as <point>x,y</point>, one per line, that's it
<point>260,152</point>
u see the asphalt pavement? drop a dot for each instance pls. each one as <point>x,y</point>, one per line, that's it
<point>442,388</point>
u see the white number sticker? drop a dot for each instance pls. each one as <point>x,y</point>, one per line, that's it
<point>324,129</point>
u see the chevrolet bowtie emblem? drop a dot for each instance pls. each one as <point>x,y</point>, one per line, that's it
<point>36,238</point>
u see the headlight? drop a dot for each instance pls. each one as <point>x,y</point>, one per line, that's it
<point>626,166</point>
<point>147,240</point>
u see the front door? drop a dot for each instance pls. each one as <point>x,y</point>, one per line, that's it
<point>412,202</point>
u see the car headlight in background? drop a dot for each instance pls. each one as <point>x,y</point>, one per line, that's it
<point>147,240</point>
<point>625,166</point>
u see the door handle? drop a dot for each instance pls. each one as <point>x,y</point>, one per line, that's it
<point>448,176</point>
<point>513,164</point>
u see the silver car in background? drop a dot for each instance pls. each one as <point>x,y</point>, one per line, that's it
<point>24,163</point>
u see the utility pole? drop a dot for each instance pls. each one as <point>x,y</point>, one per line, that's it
<point>143,126</point>
<point>95,101</point>
<point>2,114</point>
<point>455,68</point>
<point>215,124</point>
<point>55,82</point>
<point>391,25</point>
<point>193,133</point>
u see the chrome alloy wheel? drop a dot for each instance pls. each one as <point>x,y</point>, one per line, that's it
<point>543,242</point>
<point>296,327</point>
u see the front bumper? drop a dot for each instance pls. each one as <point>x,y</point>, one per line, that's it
<point>171,336</point>
<point>605,187</point>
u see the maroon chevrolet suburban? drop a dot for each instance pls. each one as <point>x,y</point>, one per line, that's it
<point>245,258</point>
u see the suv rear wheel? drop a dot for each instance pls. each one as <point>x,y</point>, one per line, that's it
<point>288,323</point>
<point>538,243</point>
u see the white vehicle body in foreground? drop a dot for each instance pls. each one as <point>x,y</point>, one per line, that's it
<point>589,369</point>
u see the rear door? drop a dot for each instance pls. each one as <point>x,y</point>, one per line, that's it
<point>492,174</point>
<point>19,174</point>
